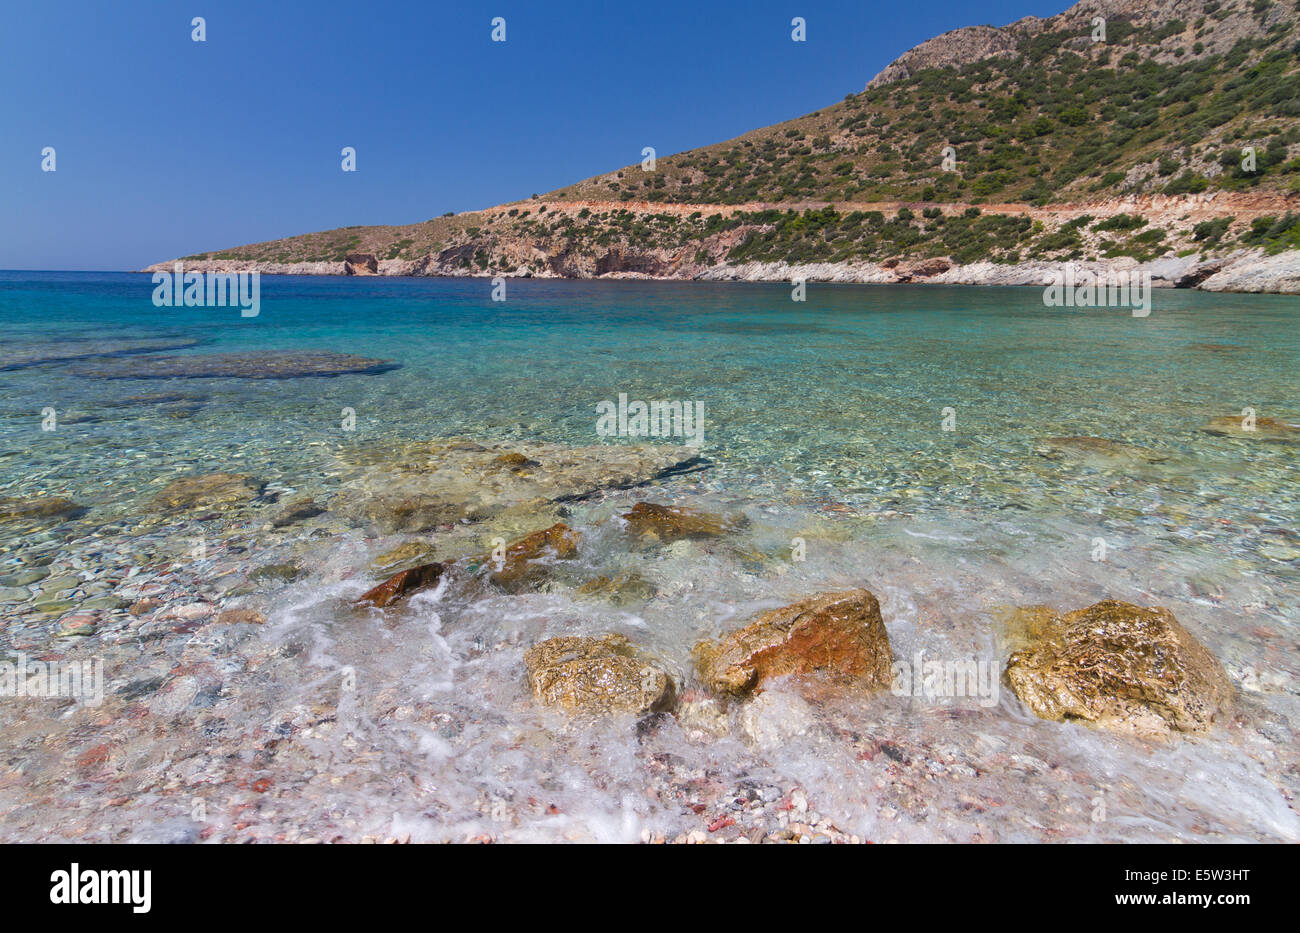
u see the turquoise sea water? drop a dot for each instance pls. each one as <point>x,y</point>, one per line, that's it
<point>823,419</point>
<point>841,396</point>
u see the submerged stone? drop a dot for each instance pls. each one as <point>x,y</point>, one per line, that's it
<point>620,589</point>
<point>1265,429</point>
<point>1054,448</point>
<point>207,491</point>
<point>596,676</point>
<point>18,508</point>
<point>527,560</point>
<point>261,365</point>
<point>670,523</point>
<point>1122,667</point>
<point>837,634</point>
<point>409,552</point>
<point>421,486</point>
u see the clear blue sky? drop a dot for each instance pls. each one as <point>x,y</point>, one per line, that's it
<point>167,147</point>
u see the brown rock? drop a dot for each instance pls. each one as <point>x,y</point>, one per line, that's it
<point>840,634</point>
<point>527,559</point>
<point>596,676</point>
<point>402,584</point>
<point>1122,667</point>
<point>671,523</point>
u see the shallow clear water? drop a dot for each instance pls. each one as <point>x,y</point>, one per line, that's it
<point>823,420</point>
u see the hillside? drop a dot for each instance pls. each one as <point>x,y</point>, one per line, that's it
<point>1029,142</point>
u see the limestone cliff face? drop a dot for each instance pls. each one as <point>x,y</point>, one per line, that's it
<point>963,46</point>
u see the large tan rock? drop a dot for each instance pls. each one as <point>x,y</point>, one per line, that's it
<point>596,676</point>
<point>1118,666</point>
<point>838,634</point>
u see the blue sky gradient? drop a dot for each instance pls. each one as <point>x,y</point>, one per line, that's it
<point>168,147</point>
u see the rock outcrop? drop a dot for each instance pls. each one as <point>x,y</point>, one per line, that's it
<point>838,634</point>
<point>1118,666</point>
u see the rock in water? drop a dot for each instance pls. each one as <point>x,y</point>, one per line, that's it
<point>207,491</point>
<point>37,507</point>
<point>526,560</point>
<point>596,676</point>
<point>841,634</point>
<point>403,584</point>
<point>1265,429</point>
<point>672,523</point>
<point>1122,667</point>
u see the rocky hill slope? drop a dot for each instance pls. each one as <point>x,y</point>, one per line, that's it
<point>1118,132</point>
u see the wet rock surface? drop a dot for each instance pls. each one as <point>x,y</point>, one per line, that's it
<point>596,676</point>
<point>402,584</point>
<point>527,560</point>
<point>837,634</point>
<point>1122,667</point>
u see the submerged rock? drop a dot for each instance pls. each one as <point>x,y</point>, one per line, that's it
<point>1122,667</point>
<point>262,365</point>
<point>621,589</point>
<point>838,634</point>
<point>297,511</point>
<point>409,552</point>
<point>402,584</point>
<point>526,561</point>
<point>207,490</point>
<point>20,355</point>
<point>596,676</point>
<point>418,487</point>
<point>1265,429</point>
<point>1054,448</point>
<point>18,508</point>
<point>672,523</point>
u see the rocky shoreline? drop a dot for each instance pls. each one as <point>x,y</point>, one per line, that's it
<point>228,713</point>
<point>1247,271</point>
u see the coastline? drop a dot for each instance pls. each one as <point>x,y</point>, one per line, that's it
<point>1249,271</point>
